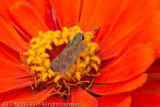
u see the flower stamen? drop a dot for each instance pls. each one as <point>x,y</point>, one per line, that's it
<point>89,85</point>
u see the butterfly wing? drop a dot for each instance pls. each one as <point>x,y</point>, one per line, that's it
<point>65,60</point>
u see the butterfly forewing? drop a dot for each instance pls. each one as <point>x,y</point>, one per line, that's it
<point>65,60</point>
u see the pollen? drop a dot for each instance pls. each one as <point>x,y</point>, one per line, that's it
<point>41,53</point>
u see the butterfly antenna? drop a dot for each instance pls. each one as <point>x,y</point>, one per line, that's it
<point>69,24</point>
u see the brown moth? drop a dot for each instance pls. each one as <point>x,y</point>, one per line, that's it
<point>64,61</point>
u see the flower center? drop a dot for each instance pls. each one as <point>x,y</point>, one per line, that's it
<point>45,48</point>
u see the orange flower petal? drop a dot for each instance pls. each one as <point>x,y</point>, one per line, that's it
<point>68,101</point>
<point>44,10</point>
<point>126,18</point>
<point>151,86</point>
<point>129,64</point>
<point>9,52</point>
<point>53,100</point>
<point>148,95</point>
<point>144,99</point>
<point>30,23</point>
<point>149,34</point>
<point>16,94</point>
<point>10,37</point>
<point>80,96</point>
<point>12,70</point>
<point>10,83</point>
<point>116,88</point>
<point>9,57</point>
<point>119,28</point>
<point>66,11</point>
<point>120,100</point>
<point>39,97</point>
<point>91,20</point>
<point>5,4</point>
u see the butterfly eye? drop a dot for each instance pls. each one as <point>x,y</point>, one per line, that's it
<point>82,36</point>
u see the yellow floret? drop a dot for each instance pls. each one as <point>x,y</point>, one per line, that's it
<point>57,78</point>
<point>78,75</point>
<point>44,77</point>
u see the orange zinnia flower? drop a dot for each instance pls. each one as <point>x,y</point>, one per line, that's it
<point>111,70</point>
